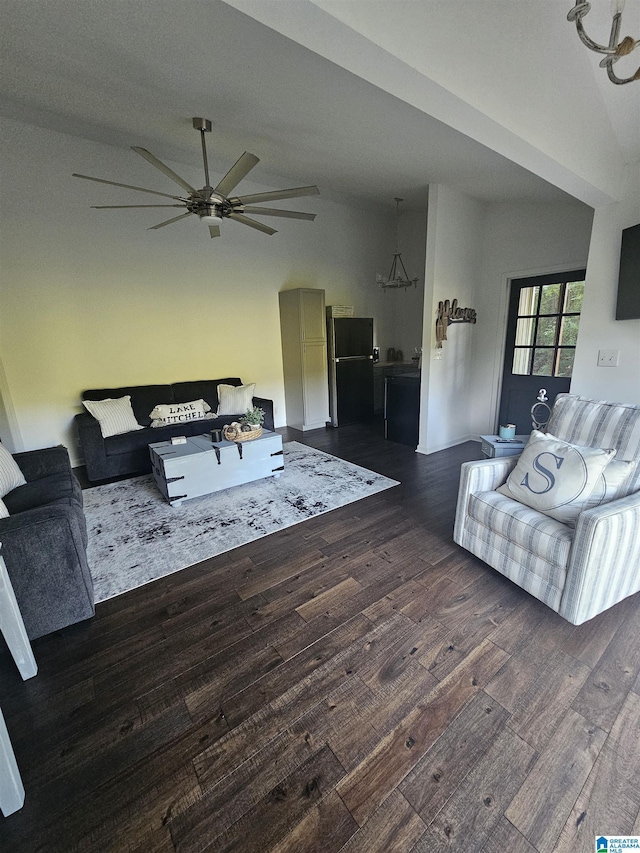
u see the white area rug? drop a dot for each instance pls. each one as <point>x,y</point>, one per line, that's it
<point>135,536</point>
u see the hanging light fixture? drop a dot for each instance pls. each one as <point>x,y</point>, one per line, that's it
<point>395,279</point>
<point>614,50</point>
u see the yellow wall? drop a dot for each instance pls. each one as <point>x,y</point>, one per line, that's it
<point>91,298</point>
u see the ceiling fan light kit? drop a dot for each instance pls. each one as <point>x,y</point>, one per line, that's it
<point>212,204</point>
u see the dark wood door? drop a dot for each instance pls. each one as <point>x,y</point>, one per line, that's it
<point>542,331</point>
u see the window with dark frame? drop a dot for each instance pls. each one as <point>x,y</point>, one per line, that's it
<point>547,329</point>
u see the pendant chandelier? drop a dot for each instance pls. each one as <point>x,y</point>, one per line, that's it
<point>614,50</point>
<point>395,278</point>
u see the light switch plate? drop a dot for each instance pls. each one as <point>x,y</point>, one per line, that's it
<point>608,357</point>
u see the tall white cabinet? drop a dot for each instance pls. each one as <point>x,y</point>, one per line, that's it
<point>303,329</point>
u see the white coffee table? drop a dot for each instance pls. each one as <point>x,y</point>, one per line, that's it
<point>201,466</point>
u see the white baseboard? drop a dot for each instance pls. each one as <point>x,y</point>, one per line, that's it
<point>422,449</point>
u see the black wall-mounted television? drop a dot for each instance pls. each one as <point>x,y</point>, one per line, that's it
<point>628,305</point>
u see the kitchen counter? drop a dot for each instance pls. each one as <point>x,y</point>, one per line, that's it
<point>383,369</point>
<point>405,364</point>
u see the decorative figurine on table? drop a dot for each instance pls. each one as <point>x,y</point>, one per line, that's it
<point>545,410</point>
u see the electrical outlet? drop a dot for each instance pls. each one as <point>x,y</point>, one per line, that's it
<point>608,357</point>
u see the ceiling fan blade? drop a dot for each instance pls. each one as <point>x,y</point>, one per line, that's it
<point>295,192</point>
<point>238,217</point>
<point>214,230</point>
<point>126,186</point>
<point>270,211</point>
<point>169,221</point>
<point>121,206</point>
<point>236,173</point>
<point>164,169</point>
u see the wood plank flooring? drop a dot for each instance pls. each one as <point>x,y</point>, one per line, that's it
<point>356,683</point>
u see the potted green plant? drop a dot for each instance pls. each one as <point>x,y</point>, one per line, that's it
<point>253,417</point>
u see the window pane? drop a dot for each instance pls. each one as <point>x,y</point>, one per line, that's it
<point>569,331</point>
<point>550,299</point>
<point>528,302</point>
<point>546,335</point>
<point>543,362</point>
<point>524,331</point>
<point>565,362</point>
<point>521,358</point>
<point>575,292</point>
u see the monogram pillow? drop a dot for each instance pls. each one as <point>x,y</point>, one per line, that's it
<point>555,477</point>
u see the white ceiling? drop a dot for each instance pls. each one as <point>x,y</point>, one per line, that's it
<point>134,72</point>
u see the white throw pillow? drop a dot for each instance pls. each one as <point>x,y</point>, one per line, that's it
<point>114,416</point>
<point>4,512</point>
<point>10,474</point>
<point>179,413</point>
<point>235,399</point>
<point>613,483</point>
<point>555,477</point>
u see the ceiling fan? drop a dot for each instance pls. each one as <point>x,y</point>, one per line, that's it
<point>213,204</point>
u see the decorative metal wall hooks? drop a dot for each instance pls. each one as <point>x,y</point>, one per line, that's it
<point>614,50</point>
<point>449,313</point>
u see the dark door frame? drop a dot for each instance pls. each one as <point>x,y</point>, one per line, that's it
<point>507,278</point>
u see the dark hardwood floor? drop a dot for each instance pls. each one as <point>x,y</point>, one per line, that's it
<point>354,683</point>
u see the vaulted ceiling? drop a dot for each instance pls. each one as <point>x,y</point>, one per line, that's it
<point>369,99</point>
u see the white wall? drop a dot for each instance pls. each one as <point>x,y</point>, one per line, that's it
<point>453,260</point>
<point>518,240</point>
<point>92,299</point>
<point>402,308</point>
<point>9,431</point>
<point>598,327</point>
<point>472,253</point>
<point>513,76</point>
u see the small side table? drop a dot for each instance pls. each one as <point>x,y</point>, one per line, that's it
<point>493,445</point>
<point>13,630</point>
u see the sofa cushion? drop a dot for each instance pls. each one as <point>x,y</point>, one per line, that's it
<point>523,526</point>
<point>10,474</point>
<point>235,400</point>
<point>206,389</point>
<point>614,482</point>
<point>55,488</point>
<point>539,577</point>
<point>122,444</point>
<point>115,416</point>
<point>180,413</point>
<point>556,477</point>
<point>143,398</point>
<point>599,423</point>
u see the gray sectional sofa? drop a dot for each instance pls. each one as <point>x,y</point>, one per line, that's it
<point>128,453</point>
<point>44,542</point>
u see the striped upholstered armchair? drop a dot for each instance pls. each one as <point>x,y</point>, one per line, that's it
<point>578,566</point>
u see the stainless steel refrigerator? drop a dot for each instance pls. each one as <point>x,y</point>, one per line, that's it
<point>350,348</point>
